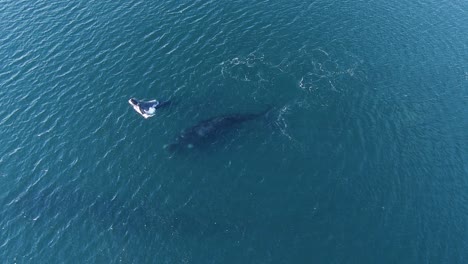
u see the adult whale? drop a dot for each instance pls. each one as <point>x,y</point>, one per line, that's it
<point>208,130</point>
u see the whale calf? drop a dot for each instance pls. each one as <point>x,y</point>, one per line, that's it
<point>146,109</point>
<point>208,130</point>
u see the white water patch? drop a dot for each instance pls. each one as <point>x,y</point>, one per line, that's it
<point>318,72</point>
<point>321,70</point>
<point>250,68</point>
<point>322,76</point>
<point>282,122</point>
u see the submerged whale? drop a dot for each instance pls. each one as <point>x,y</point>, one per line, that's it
<point>209,129</point>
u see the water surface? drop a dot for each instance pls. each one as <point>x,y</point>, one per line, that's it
<point>363,159</point>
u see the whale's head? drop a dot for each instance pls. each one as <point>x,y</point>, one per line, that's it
<point>133,101</point>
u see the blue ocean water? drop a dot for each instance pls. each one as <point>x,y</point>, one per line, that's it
<point>363,158</point>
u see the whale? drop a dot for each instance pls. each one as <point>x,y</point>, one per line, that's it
<point>206,131</point>
<point>147,109</point>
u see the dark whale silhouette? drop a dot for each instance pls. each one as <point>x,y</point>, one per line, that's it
<point>208,130</point>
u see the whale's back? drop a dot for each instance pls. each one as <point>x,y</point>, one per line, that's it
<point>210,129</point>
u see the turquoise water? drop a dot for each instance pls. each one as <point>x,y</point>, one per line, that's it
<point>362,160</point>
